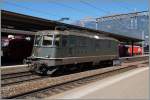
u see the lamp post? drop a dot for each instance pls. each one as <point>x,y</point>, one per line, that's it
<point>96,24</point>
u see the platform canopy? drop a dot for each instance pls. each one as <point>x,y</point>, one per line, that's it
<point>15,22</point>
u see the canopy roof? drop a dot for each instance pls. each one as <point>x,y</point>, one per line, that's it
<point>15,22</point>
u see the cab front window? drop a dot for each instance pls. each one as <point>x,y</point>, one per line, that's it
<point>47,40</point>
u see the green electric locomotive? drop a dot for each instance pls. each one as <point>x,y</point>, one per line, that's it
<point>58,49</point>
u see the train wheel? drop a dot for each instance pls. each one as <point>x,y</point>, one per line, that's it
<point>43,70</point>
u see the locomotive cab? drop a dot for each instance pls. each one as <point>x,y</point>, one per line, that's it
<point>44,50</point>
<point>45,44</point>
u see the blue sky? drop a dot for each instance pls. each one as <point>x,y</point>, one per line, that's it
<point>74,9</point>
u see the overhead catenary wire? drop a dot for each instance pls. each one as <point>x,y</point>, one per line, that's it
<point>122,6</point>
<point>34,10</point>
<point>31,9</point>
<point>92,6</point>
<point>99,9</point>
<point>45,12</point>
<point>70,7</point>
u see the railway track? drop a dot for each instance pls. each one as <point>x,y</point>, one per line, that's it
<point>14,75</point>
<point>40,87</point>
<point>135,58</point>
<point>18,79</point>
<point>50,91</point>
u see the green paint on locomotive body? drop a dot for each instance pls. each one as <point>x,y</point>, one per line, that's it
<point>83,46</point>
<point>67,44</point>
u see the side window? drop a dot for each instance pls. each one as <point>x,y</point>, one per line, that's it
<point>97,44</point>
<point>81,41</point>
<point>103,44</point>
<point>109,43</point>
<point>72,41</point>
<point>64,42</point>
<point>86,41</point>
<point>57,40</point>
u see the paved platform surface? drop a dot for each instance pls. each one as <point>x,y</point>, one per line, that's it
<point>133,84</point>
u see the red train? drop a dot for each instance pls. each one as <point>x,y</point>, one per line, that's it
<point>126,50</point>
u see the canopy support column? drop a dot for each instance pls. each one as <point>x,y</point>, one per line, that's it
<point>132,43</point>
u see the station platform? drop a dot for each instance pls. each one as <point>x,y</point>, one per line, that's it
<point>133,84</point>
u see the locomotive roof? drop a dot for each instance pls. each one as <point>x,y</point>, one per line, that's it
<point>76,33</point>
